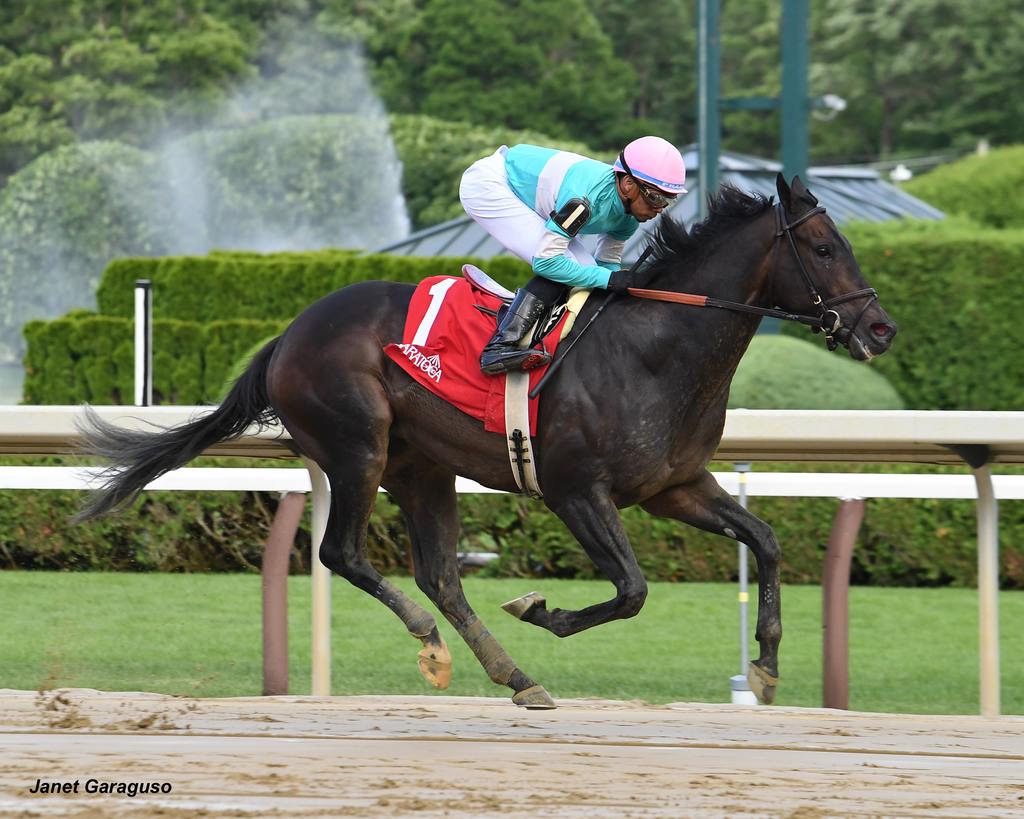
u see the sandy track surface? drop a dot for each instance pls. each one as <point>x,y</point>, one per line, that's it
<point>459,757</point>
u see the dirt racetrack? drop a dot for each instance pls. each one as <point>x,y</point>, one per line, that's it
<point>456,756</point>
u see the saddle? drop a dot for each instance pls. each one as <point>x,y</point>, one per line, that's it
<point>486,283</point>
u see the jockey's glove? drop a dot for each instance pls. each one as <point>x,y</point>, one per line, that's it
<point>621,280</point>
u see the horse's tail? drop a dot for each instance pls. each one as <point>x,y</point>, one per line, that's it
<point>137,457</point>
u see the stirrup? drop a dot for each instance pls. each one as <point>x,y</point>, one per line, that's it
<point>513,360</point>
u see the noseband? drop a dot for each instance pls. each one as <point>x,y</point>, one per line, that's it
<point>829,321</point>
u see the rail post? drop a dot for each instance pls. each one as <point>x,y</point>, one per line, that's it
<point>835,594</point>
<point>274,574</point>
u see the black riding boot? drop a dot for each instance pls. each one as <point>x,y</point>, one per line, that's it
<point>502,352</point>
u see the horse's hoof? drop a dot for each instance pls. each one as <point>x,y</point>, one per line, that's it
<point>762,684</point>
<point>436,664</point>
<point>519,607</point>
<point>535,698</point>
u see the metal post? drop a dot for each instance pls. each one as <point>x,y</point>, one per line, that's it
<point>978,457</point>
<point>835,594</point>
<point>274,572</point>
<point>708,124</point>
<point>741,692</point>
<point>988,590</point>
<point>320,648</point>
<point>795,104</point>
<point>143,343</point>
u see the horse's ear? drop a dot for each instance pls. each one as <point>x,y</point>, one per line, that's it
<point>799,192</point>
<point>783,189</point>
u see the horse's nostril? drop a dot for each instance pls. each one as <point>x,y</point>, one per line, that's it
<point>880,328</point>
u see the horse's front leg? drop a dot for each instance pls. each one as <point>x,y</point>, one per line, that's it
<point>704,504</point>
<point>595,522</point>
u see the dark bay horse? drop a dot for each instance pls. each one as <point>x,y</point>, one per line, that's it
<point>633,417</point>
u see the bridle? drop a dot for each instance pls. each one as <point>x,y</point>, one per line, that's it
<point>827,321</point>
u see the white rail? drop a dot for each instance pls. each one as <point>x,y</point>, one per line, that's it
<point>760,484</point>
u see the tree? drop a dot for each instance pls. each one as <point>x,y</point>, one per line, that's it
<point>91,69</point>
<point>197,66</point>
<point>521,64</point>
<point>31,121</point>
<point>923,74</point>
<point>663,92</point>
<point>751,67</point>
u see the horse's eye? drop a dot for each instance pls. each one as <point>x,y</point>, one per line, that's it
<point>823,250</point>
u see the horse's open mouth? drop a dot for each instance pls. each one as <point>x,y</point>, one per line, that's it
<point>875,345</point>
<point>859,350</point>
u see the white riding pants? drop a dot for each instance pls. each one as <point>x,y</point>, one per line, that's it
<point>487,197</point>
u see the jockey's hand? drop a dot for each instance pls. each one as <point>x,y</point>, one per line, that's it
<point>621,280</point>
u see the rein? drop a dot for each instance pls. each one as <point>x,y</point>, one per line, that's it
<point>827,321</point>
<point>708,301</point>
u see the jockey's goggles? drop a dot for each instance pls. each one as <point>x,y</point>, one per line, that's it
<point>655,198</point>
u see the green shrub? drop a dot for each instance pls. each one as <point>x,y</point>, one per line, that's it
<point>780,372</point>
<point>947,284</point>
<point>986,188</point>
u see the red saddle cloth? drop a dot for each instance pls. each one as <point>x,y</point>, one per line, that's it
<point>444,335</point>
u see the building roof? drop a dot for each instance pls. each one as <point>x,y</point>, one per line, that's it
<point>850,194</point>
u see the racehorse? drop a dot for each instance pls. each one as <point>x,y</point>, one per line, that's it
<point>633,417</point>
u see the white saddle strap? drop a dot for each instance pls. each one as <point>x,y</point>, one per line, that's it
<point>517,433</point>
<point>517,411</point>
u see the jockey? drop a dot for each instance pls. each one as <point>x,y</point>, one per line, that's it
<point>537,201</point>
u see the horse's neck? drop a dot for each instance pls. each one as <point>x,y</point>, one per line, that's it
<point>736,267</point>
<point>691,351</point>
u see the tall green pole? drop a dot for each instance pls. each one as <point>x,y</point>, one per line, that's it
<point>795,105</point>
<point>708,125</point>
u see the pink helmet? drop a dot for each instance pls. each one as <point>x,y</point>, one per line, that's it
<point>655,161</point>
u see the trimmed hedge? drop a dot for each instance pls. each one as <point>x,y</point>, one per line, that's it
<point>954,290</point>
<point>951,287</point>
<point>986,188</point>
<point>90,358</point>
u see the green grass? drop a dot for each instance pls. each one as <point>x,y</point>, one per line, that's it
<point>911,650</point>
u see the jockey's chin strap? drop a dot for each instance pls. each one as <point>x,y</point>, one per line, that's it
<point>828,319</point>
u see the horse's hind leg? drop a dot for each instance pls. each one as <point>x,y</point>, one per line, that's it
<point>426,494</point>
<point>353,454</point>
<point>707,506</point>
<point>344,551</point>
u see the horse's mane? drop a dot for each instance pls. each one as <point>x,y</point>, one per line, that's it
<point>728,209</point>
